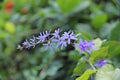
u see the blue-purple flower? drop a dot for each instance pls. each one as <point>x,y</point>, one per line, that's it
<point>33,41</point>
<point>65,39</point>
<point>86,46</point>
<point>26,44</point>
<point>69,36</point>
<point>48,45</point>
<point>61,42</point>
<point>100,63</point>
<point>42,37</point>
<point>56,33</point>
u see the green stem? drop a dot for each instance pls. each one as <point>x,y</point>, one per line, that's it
<point>93,67</point>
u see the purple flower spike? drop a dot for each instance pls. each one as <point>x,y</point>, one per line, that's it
<point>26,44</point>
<point>56,33</point>
<point>86,46</point>
<point>100,63</point>
<point>69,36</point>
<point>48,39</point>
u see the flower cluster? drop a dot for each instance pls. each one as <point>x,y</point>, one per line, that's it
<point>58,39</point>
<point>86,46</point>
<point>100,63</point>
<point>48,39</point>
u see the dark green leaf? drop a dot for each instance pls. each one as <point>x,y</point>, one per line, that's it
<point>115,34</point>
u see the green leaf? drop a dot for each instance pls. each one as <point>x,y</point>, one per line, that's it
<point>85,30</point>
<point>86,75</point>
<point>105,73</point>
<point>105,31</point>
<point>102,52</point>
<point>67,5</point>
<point>98,20</point>
<point>111,9</point>
<point>78,70</point>
<point>114,48</point>
<point>72,5</point>
<point>83,5</point>
<point>115,34</point>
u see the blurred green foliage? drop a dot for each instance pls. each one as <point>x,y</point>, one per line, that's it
<point>92,18</point>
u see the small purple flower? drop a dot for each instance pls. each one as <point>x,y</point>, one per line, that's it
<point>48,45</point>
<point>56,33</point>
<point>100,63</point>
<point>86,46</point>
<point>42,37</point>
<point>69,36</point>
<point>33,41</point>
<point>61,42</point>
<point>46,33</point>
<point>26,44</point>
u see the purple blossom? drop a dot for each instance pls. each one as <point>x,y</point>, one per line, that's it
<point>56,33</point>
<point>61,42</point>
<point>48,45</point>
<point>69,36</point>
<point>33,41</point>
<point>86,46</point>
<point>26,44</point>
<point>46,33</point>
<point>42,37</point>
<point>100,63</point>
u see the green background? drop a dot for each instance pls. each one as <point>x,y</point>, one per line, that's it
<point>92,18</point>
